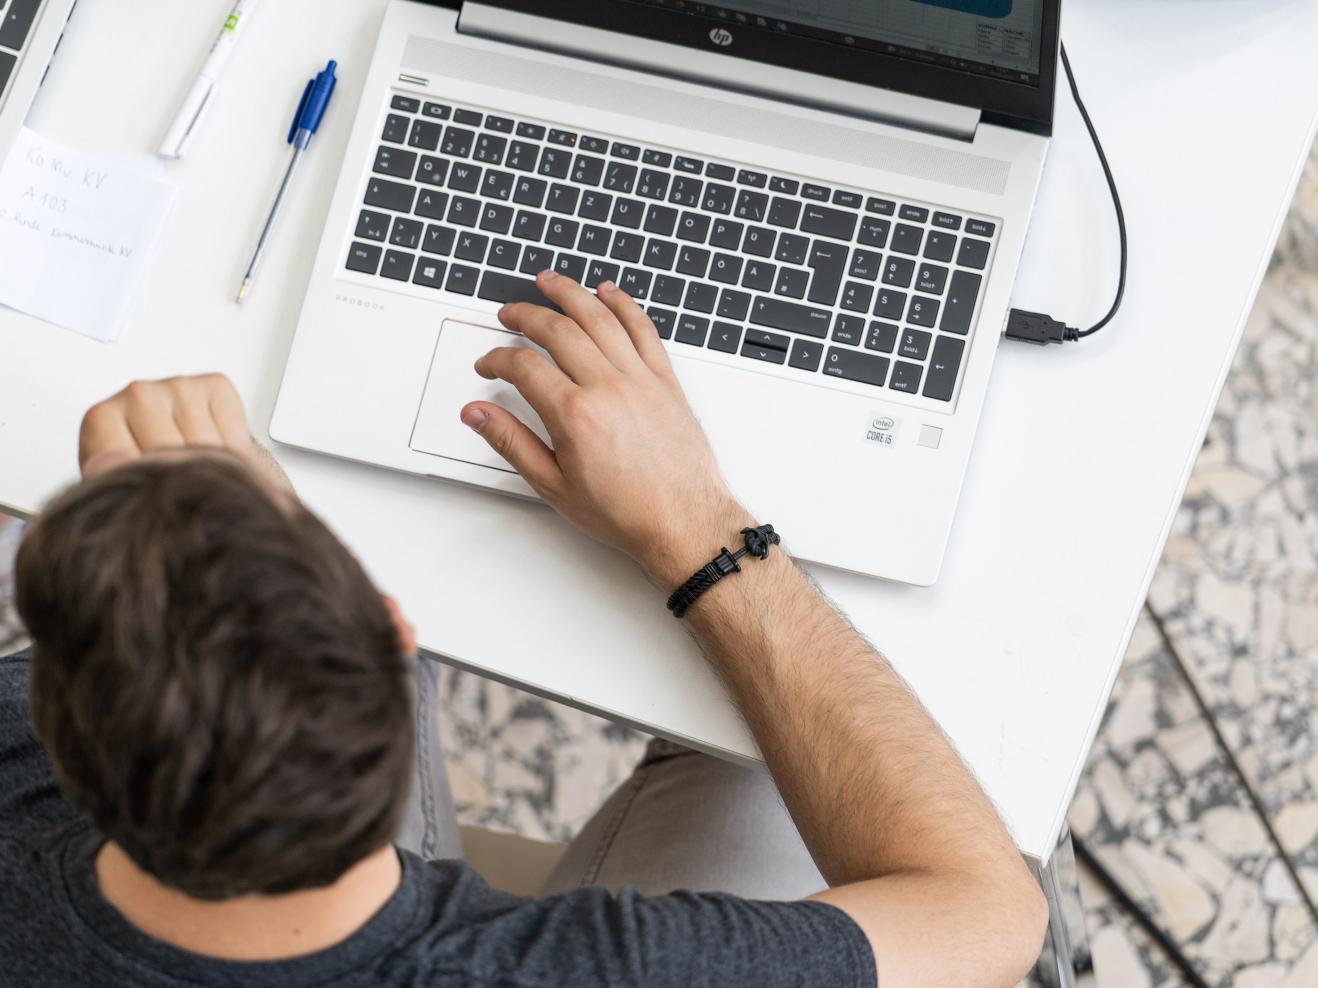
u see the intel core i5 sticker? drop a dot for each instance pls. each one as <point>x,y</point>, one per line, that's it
<point>881,430</point>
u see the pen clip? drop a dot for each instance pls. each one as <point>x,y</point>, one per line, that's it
<point>301,108</point>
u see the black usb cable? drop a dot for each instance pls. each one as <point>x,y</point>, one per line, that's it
<point>1038,327</point>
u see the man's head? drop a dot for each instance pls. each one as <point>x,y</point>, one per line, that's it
<point>222,690</point>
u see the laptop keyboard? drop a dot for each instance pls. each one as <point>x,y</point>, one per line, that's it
<point>817,279</point>
<point>16,19</point>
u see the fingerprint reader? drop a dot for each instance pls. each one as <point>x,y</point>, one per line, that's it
<point>930,436</point>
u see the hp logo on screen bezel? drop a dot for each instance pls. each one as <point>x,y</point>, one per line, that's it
<point>721,36</point>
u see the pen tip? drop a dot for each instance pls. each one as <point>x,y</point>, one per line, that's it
<point>247,286</point>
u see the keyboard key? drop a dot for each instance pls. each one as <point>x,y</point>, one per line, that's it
<point>462,279</point>
<point>424,134</point>
<point>906,377</point>
<point>980,228</point>
<point>595,145</point>
<point>884,207</point>
<point>620,177</point>
<point>535,132</point>
<point>932,278</point>
<point>685,191</point>
<point>661,220</point>
<point>562,233</point>
<point>759,276</point>
<point>960,306</point>
<point>726,234</point>
<point>464,177</point>
<point>726,268</point>
<point>828,222</point>
<point>889,304</point>
<point>406,233</point>
<point>874,233</point>
<point>664,321</point>
<point>554,163</point>
<point>562,199</point>
<point>851,200</point>
<point>389,195</point>
<point>785,212</point>
<point>661,254</point>
<point>572,266</point>
<point>497,184</point>
<point>805,355</point>
<point>489,149</point>
<point>973,254</point>
<point>395,129</point>
<point>502,124</point>
<point>940,382</point>
<point>733,305</point>
<point>397,265</point>
<point>595,206</point>
<point>504,254</point>
<point>882,336</point>
<point>530,192</point>
<point>756,179</point>
<point>528,225</point>
<point>907,239</point>
<point>405,103</point>
<point>948,221</point>
<point>535,259</point>
<point>429,273</point>
<point>364,257</point>
<point>916,214</point>
<point>923,311</point>
<point>767,354</point>
<point>693,228</point>
<point>693,261</point>
<point>463,211</point>
<point>849,329</point>
<point>763,338</point>
<point>719,198</point>
<point>587,170</point>
<point>790,317</point>
<point>594,239</point>
<point>722,173</point>
<point>792,248</point>
<point>636,282</point>
<point>915,344</point>
<point>899,271</point>
<point>660,158</point>
<point>433,171</point>
<point>668,289</point>
<point>522,156</point>
<point>865,264</point>
<point>787,186</point>
<point>627,247</point>
<point>629,151</point>
<point>438,239</point>
<point>791,282</point>
<point>829,262</point>
<point>653,184</point>
<point>939,246</point>
<point>725,338</point>
<point>856,296</point>
<point>438,111</point>
<point>600,271</point>
<point>700,297</point>
<point>693,166</point>
<point>759,241</point>
<point>394,162</point>
<point>565,138</point>
<point>372,226</point>
<point>752,206</point>
<point>691,329</point>
<point>499,287</point>
<point>853,365</point>
<point>457,144</point>
<point>472,246</point>
<point>819,193</point>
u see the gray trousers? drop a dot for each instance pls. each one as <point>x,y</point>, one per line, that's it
<point>683,820</point>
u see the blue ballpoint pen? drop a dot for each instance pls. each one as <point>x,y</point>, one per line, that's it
<point>306,121</point>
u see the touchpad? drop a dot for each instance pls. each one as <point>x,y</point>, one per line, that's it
<point>453,382</point>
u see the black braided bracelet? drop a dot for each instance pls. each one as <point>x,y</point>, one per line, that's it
<point>758,542</point>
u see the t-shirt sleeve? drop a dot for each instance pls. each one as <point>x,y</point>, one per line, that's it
<point>30,800</point>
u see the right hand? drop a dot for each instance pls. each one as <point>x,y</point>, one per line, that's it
<point>630,464</point>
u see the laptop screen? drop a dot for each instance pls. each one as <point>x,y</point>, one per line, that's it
<point>997,38</point>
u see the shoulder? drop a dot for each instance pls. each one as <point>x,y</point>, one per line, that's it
<point>30,800</point>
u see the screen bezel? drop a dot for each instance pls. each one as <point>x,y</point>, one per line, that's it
<point>1010,104</point>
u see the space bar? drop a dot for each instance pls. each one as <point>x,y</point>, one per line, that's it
<point>507,288</point>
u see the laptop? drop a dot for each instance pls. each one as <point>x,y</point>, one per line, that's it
<point>30,31</point>
<point>820,204</point>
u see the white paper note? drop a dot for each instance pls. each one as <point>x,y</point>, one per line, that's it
<point>76,233</point>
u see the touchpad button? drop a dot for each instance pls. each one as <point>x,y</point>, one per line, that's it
<point>453,382</point>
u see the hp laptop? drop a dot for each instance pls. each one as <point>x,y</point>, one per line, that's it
<point>820,204</point>
<point>30,31</point>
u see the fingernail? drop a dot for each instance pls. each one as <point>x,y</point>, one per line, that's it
<point>504,308</point>
<point>549,274</point>
<point>475,418</point>
<point>606,286</point>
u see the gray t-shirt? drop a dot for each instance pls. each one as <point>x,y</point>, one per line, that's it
<point>443,927</point>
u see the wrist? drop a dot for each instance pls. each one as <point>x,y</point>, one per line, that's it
<point>693,542</point>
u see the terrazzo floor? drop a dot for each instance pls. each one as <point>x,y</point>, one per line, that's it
<point>1237,593</point>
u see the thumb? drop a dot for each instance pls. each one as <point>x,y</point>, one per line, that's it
<point>515,442</point>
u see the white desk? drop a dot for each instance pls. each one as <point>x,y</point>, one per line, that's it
<point>1207,111</point>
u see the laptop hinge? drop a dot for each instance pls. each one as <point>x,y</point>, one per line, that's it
<point>709,68</point>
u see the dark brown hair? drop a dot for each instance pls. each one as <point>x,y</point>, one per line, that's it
<point>219,685</point>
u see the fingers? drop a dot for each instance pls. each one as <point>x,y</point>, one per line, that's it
<point>564,340</point>
<point>638,326</point>
<point>515,442</point>
<point>542,384</point>
<point>591,315</point>
<point>105,438</point>
<point>228,414</point>
<point>149,411</point>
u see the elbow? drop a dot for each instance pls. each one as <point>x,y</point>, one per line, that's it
<point>1025,927</point>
